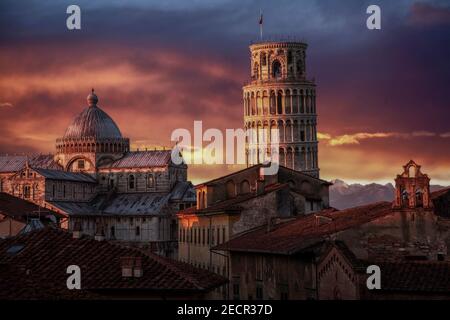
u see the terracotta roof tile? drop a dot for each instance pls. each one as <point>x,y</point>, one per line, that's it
<point>292,236</point>
<point>19,208</point>
<point>48,252</point>
<point>417,276</point>
<point>13,163</point>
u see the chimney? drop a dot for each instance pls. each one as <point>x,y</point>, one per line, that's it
<point>76,234</point>
<point>137,271</point>
<point>321,220</point>
<point>131,267</point>
<point>126,264</point>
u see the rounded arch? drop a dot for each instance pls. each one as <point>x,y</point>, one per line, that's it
<point>280,101</point>
<point>245,187</point>
<point>256,71</point>
<point>277,69</point>
<point>273,102</point>
<point>230,189</point>
<point>265,102</point>
<point>287,103</point>
<point>71,162</point>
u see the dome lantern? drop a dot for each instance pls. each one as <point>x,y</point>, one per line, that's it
<point>92,99</point>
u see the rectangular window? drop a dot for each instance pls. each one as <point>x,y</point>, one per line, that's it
<point>259,293</point>
<point>236,291</point>
<point>223,235</point>
<point>80,164</point>
<point>203,236</point>
<point>209,237</point>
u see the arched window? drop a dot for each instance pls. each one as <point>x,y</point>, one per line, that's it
<point>294,102</point>
<point>276,69</point>
<point>272,103</point>
<point>302,102</point>
<point>26,192</point>
<point>113,232</point>
<point>263,59</point>
<point>288,102</point>
<point>245,187</point>
<point>419,197</point>
<point>253,103</point>
<point>259,105</point>
<point>265,103</point>
<point>280,102</point>
<point>131,182</point>
<point>231,192</point>
<point>138,231</point>
<point>256,71</point>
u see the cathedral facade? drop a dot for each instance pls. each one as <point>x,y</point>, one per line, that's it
<point>280,97</point>
<point>103,188</point>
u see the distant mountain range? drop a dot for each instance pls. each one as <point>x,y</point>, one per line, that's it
<point>343,195</point>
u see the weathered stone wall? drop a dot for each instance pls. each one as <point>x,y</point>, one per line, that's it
<point>406,233</point>
<point>272,276</point>
<point>336,278</point>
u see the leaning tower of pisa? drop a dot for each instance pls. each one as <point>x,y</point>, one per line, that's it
<point>279,96</point>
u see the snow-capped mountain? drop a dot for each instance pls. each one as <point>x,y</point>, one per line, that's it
<point>343,195</point>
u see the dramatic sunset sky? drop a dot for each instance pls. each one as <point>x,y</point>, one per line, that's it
<point>383,97</point>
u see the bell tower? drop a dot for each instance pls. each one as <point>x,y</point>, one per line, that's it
<point>280,97</point>
<point>412,188</point>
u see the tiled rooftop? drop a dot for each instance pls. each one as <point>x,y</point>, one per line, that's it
<point>142,159</point>
<point>20,208</point>
<point>45,255</point>
<point>13,163</point>
<point>292,236</point>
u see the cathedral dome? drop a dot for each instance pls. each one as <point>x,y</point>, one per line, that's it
<point>93,122</point>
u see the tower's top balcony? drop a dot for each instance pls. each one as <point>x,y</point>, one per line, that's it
<point>278,59</point>
<point>278,42</point>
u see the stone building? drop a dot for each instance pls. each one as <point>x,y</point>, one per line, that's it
<point>291,259</point>
<point>233,204</point>
<point>101,186</point>
<point>342,276</point>
<point>280,97</point>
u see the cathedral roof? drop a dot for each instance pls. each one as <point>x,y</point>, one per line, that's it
<point>65,175</point>
<point>93,122</point>
<point>13,163</point>
<point>142,159</point>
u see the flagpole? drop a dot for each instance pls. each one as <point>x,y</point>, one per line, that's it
<point>260,24</point>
